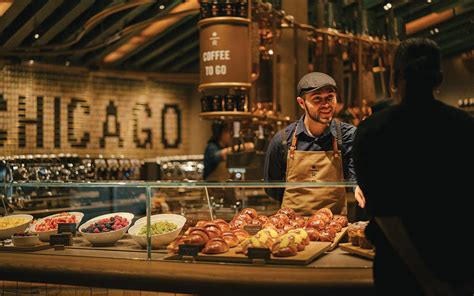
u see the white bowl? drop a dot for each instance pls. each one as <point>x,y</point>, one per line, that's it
<point>106,238</point>
<point>26,241</point>
<point>8,232</point>
<point>45,235</point>
<point>158,239</point>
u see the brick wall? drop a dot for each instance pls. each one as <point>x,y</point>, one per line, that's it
<point>43,111</point>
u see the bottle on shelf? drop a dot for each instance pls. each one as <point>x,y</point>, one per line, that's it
<point>215,8</point>
<point>228,8</point>
<point>229,103</point>
<point>217,103</point>
<point>241,8</point>
<point>205,9</point>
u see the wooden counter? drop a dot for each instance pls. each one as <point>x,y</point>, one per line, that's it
<point>336,273</point>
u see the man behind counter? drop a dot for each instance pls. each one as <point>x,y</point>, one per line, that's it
<point>314,148</point>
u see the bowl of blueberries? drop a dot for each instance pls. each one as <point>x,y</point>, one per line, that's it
<point>106,229</point>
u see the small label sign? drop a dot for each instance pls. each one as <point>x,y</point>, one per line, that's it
<point>64,239</point>
<point>252,229</point>
<point>67,228</point>
<point>259,253</point>
<point>189,250</point>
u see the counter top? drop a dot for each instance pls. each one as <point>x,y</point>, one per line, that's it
<point>336,273</point>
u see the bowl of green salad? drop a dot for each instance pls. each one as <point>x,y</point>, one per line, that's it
<point>164,228</point>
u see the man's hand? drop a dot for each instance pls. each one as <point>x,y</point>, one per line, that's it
<point>359,196</point>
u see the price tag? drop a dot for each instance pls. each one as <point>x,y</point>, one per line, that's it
<point>252,229</point>
<point>64,239</point>
<point>259,253</point>
<point>67,228</point>
<point>189,250</point>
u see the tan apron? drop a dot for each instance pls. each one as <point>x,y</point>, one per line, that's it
<point>315,166</point>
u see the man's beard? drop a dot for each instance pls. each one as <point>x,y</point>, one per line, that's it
<point>317,118</point>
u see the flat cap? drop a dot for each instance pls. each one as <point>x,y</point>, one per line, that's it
<point>313,81</point>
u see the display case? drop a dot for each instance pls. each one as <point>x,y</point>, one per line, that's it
<point>121,221</point>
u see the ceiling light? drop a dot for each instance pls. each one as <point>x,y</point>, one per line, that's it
<point>429,1</point>
<point>67,63</point>
<point>436,30</point>
<point>162,7</point>
<point>31,62</point>
<point>270,51</point>
<point>37,36</point>
<point>432,32</point>
<point>389,5</point>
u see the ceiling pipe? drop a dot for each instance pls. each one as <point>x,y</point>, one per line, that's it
<point>428,21</point>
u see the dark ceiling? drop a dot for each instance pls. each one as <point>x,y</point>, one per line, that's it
<point>80,33</point>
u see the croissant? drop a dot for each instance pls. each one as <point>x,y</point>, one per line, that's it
<point>174,245</point>
<point>341,220</point>
<point>216,245</point>
<point>223,225</point>
<point>213,229</point>
<point>284,247</point>
<point>250,212</point>
<point>336,225</point>
<point>197,236</point>
<point>290,213</point>
<point>230,238</point>
<point>316,223</point>
<point>326,212</point>
<point>240,234</point>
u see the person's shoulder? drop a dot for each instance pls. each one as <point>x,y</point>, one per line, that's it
<point>456,114</point>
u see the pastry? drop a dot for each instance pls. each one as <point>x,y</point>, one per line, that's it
<point>341,220</point>
<point>290,213</point>
<point>316,223</point>
<point>231,239</point>
<point>240,234</point>
<point>326,212</point>
<point>252,213</point>
<point>336,225</point>
<point>284,247</point>
<point>215,246</point>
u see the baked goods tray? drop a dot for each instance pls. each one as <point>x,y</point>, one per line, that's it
<point>348,247</point>
<point>311,252</point>
<point>338,238</point>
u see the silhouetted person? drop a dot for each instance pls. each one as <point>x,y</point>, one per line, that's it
<point>414,162</point>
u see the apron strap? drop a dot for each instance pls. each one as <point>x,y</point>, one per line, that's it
<point>293,143</point>
<point>337,141</point>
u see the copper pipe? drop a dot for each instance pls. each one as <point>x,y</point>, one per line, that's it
<point>428,21</point>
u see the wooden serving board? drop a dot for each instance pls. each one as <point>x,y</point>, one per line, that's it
<point>11,248</point>
<point>348,247</point>
<point>311,252</point>
<point>338,238</point>
<point>126,243</point>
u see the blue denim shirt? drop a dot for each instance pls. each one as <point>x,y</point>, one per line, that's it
<point>276,157</point>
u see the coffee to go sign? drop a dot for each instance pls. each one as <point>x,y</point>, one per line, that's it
<point>224,52</point>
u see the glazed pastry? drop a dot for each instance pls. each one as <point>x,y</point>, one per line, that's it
<point>240,234</point>
<point>326,212</point>
<point>256,222</point>
<point>336,225</point>
<point>270,232</point>
<point>277,222</point>
<point>288,227</point>
<point>231,239</point>
<point>313,234</point>
<point>321,216</point>
<point>201,223</point>
<point>325,236</point>
<point>290,213</point>
<point>331,230</point>
<point>197,236</point>
<point>215,246</point>
<point>284,247</point>
<point>301,232</point>
<point>283,218</point>
<point>250,242</point>
<point>299,241</point>
<point>237,224</point>
<point>263,219</point>
<point>301,221</point>
<point>316,223</point>
<point>265,239</point>
<point>341,220</point>
<point>252,213</point>
<point>213,229</point>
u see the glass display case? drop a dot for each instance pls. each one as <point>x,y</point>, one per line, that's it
<point>118,219</point>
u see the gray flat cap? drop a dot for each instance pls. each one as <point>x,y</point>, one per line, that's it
<point>313,81</point>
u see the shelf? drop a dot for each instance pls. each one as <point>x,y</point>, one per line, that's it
<point>224,19</point>
<point>236,115</point>
<point>241,85</point>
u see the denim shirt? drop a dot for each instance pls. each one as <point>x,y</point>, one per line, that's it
<point>276,157</point>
